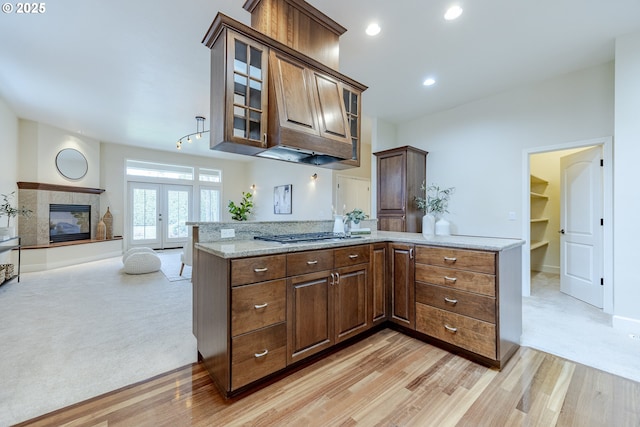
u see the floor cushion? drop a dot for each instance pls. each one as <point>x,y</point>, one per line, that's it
<point>142,262</point>
<point>136,251</point>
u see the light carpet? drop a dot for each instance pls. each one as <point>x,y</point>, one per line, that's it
<point>567,327</point>
<point>171,263</point>
<point>76,332</point>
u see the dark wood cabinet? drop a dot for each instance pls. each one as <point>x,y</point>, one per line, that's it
<point>401,172</point>
<point>379,294</point>
<point>239,94</point>
<point>309,111</point>
<point>402,273</point>
<point>259,316</point>
<point>309,314</point>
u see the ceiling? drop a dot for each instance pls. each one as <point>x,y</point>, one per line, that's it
<point>136,72</point>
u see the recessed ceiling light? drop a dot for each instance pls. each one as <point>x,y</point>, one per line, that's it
<point>429,82</point>
<point>453,12</point>
<point>373,29</point>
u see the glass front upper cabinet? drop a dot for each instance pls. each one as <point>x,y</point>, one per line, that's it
<point>247,64</point>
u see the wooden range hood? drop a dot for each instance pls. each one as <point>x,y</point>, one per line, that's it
<point>275,88</point>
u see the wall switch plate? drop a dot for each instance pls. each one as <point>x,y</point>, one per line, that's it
<point>512,216</point>
<point>227,233</point>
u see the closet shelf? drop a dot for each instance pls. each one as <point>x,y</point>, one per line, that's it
<point>536,245</point>
<point>539,196</point>
<point>534,220</point>
<point>538,180</point>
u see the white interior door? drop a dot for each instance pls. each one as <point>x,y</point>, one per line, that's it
<point>353,193</point>
<point>158,214</point>
<point>581,241</point>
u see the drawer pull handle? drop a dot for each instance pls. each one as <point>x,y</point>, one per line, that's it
<point>450,329</point>
<point>259,306</point>
<point>260,270</point>
<point>354,256</point>
<point>450,301</point>
<point>449,259</point>
<point>312,262</point>
<point>450,279</point>
<point>263,354</point>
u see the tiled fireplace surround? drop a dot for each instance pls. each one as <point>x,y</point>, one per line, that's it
<point>35,229</point>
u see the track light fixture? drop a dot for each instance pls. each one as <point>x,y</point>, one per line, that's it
<point>198,133</point>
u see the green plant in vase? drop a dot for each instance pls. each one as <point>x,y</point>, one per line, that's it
<point>241,212</point>
<point>355,216</point>
<point>434,204</point>
<point>8,210</point>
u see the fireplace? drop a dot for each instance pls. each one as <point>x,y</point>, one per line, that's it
<point>69,222</point>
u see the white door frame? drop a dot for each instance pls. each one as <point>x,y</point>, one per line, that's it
<point>607,153</point>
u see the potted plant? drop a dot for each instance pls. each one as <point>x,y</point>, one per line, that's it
<point>354,217</point>
<point>10,211</point>
<point>242,212</point>
<point>434,204</point>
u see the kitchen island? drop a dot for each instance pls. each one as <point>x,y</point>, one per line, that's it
<point>263,309</point>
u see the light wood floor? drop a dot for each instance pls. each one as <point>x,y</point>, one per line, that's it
<point>388,379</point>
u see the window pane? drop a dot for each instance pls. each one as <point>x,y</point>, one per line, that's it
<point>157,170</point>
<point>209,205</point>
<point>210,175</point>
<point>178,213</point>
<point>144,214</point>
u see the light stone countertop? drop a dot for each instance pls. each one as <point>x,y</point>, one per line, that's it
<point>245,248</point>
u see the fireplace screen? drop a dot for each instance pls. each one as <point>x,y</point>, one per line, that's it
<point>69,222</point>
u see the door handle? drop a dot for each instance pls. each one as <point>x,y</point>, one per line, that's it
<point>561,231</point>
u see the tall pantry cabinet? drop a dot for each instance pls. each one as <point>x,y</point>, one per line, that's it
<point>401,172</point>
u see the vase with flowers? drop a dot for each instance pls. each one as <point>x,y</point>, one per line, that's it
<point>10,211</point>
<point>434,204</point>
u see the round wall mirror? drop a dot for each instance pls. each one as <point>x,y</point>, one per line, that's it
<point>71,163</point>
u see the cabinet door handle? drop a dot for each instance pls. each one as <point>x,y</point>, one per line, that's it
<point>411,253</point>
<point>450,259</point>
<point>337,278</point>
<point>450,328</point>
<point>259,306</point>
<point>450,301</point>
<point>264,137</point>
<point>260,270</point>
<point>333,279</point>
<point>450,279</point>
<point>314,262</point>
<point>354,256</point>
<point>262,354</point>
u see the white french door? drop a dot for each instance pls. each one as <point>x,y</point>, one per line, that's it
<point>158,214</point>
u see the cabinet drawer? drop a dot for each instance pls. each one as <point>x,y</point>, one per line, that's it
<point>257,306</point>
<point>352,255</point>
<point>257,269</point>
<point>464,259</point>
<point>471,334</point>
<point>258,354</point>
<point>309,262</point>
<point>458,279</point>
<point>460,302</point>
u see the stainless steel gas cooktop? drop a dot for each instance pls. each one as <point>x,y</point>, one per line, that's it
<point>301,237</point>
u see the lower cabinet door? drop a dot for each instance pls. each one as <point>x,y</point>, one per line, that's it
<point>471,334</point>
<point>350,290</point>
<point>309,314</point>
<point>257,354</point>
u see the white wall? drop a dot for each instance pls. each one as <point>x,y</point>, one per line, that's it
<point>39,145</point>
<point>478,147</point>
<point>311,200</point>
<point>626,178</point>
<point>9,162</point>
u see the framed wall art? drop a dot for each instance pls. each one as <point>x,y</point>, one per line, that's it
<point>282,199</point>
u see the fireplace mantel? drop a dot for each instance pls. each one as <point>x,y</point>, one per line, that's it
<point>57,187</point>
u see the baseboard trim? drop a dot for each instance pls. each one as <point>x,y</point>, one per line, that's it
<point>626,324</point>
<point>551,269</point>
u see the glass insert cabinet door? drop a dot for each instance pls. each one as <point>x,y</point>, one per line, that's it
<point>249,69</point>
